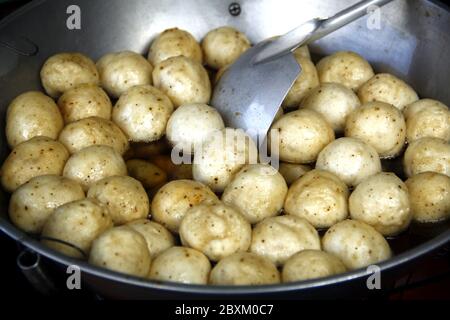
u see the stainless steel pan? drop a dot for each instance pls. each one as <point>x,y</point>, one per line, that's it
<point>411,39</point>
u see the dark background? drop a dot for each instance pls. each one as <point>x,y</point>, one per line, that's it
<point>13,281</point>
<point>428,279</point>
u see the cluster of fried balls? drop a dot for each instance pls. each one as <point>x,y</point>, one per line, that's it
<point>96,181</point>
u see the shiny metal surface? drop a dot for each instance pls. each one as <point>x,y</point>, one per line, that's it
<point>315,29</point>
<point>248,96</point>
<point>29,262</point>
<point>412,41</point>
<point>251,90</point>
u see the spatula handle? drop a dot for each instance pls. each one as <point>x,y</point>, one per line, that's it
<point>345,17</point>
<point>314,30</point>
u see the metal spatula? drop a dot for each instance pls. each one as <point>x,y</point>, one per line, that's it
<point>251,91</point>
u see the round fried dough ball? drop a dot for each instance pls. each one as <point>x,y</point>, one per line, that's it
<point>36,157</point>
<point>222,46</point>
<point>427,118</point>
<point>84,101</point>
<point>244,269</point>
<point>302,135</point>
<point>173,200</point>
<point>385,87</point>
<point>302,52</point>
<point>380,125</point>
<point>120,71</point>
<point>183,80</point>
<point>158,238</point>
<point>356,243</point>
<point>191,124</point>
<point>279,238</point>
<point>142,113</point>
<point>32,203</point>
<point>219,74</point>
<point>93,131</point>
<point>174,42</point>
<point>350,159</point>
<point>76,224</point>
<point>319,197</point>
<point>124,197</point>
<point>148,150</point>
<point>223,154</point>
<point>123,250</point>
<point>64,71</point>
<point>216,229</point>
<point>311,264</point>
<point>429,194</point>
<point>180,264</point>
<point>267,187</point>
<point>291,172</point>
<point>382,201</point>
<point>345,67</point>
<point>334,102</point>
<point>146,173</point>
<point>32,114</point>
<point>94,163</point>
<point>306,81</point>
<point>174,171</point>
<point>427,154</point>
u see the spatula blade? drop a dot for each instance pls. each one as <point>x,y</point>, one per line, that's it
<point>248,96</point>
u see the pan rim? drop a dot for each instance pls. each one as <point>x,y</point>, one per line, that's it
<point>397,261</point>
